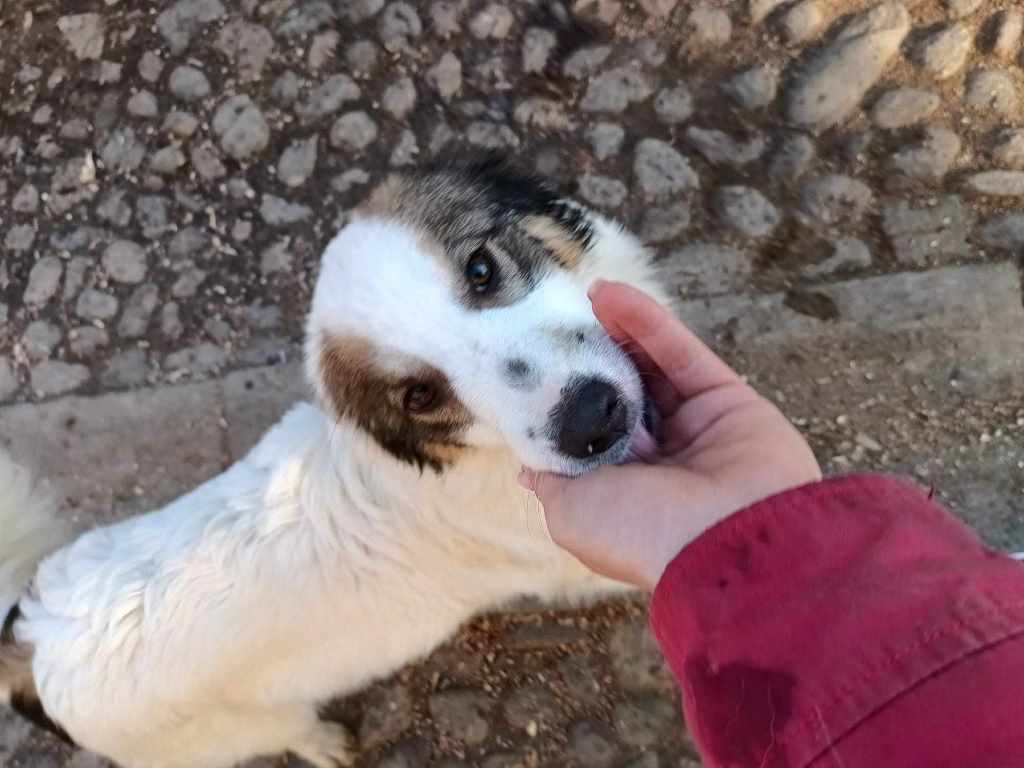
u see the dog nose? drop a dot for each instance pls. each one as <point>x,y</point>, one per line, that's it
<point>593,419</point>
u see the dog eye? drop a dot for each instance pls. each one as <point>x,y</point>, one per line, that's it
<point>480,271</point>
<point>419,398</point>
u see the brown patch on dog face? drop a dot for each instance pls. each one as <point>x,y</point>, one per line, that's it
<point>377,394</point>
<point>567,250</point>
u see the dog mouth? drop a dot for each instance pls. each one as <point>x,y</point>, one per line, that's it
<point>643,445</point>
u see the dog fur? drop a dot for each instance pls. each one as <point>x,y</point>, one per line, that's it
<point>363,529</point>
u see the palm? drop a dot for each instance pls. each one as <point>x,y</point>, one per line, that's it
<point>722,448</point>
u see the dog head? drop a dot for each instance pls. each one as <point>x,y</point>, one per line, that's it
<point>451,314</point>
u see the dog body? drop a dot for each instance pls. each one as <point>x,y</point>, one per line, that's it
<point>450,341</point>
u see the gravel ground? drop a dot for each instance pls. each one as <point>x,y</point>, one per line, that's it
<point>835,188</point>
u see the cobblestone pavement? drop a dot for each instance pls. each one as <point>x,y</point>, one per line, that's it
<point>836,187</point>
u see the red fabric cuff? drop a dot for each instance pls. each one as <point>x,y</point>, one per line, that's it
<point>812,609</point>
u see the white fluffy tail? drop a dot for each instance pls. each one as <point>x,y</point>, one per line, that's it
<point>29,530</point>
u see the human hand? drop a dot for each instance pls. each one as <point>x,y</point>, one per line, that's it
<point>722,447</point>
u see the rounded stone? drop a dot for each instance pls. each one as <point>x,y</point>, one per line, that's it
<point>167,160</point>
<point>399,23</point>
<point>945,52</point>
<point>792,158</point>
<point>84,341</point>
<point>188,83</point>
<point>708,25</point>
<point>388,714</point>
<point>645,721</point>
<point>720,148</point>
<point>445,76</point>
<point>353,131</point>
<point>180,124</point>
<point>606,139</point>
<point>543,114</point>
<point>53,377</point>
<point>462,715</point>
<point>586,61</point>
<point>802,22</point>
<point>143,104</point>
<point>532,706</point>
<point>297,162</point>
<point>495,21</point>
<point>602,191</point>
<point>746,211</point>
<point>328,97</point>
<point>399,98</point>
<point>405,149</point>
<point>126,369</point>
<point>206,161</point>
<point>241,128</point>
<point>832,84</point>
<point>673,105</point>
<point>997,183</point>
<point>363,57</point>
<point>248,45</point>
<point>189,243</point>
<point>125,261</point>
<point>993,92</point>
<point>278,212</point>
<point>661,171</point>
<point>616,89</point>
<point>833,199</point>
<point>593,744</point>
<point>1005,231</point>
<point>538,45</point>
<point>95,305</point>
<point>1009,25</point>
<point>26,199</point>
<point>138,310</point>
<point>930,157</point>
<point>285,89</point>
<point>39,339</point>
<point>1008,149</point>
<point>488,135</point>
<point>76,129</point>
<point>707,269</point>
<point>661,224</point>
<point>901,107</point>
<point>444,16</point>
<point>150,66</point>
<point>755,88</point>
<point>43,280</point>
<point>20,238</point>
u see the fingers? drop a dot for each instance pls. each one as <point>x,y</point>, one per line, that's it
<point>632,317</point>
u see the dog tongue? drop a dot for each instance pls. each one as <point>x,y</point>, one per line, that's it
<point>643,446</point>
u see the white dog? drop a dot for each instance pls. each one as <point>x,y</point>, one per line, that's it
<point>450,341</point>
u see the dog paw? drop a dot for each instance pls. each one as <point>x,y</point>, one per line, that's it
<point>328,745</point>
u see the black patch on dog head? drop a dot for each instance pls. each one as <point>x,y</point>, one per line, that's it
<point>483,203</point>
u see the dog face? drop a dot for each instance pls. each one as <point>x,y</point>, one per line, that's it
<point>452,314</point>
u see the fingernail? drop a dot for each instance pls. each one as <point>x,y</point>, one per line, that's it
<point>526,479</point>
<point>595,287</point>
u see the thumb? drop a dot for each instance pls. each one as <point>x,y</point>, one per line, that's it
<point>564,500</point>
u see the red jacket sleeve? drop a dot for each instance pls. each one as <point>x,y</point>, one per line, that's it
<point>847,623</point>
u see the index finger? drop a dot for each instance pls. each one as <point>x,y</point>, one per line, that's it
<point>684,360</point>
